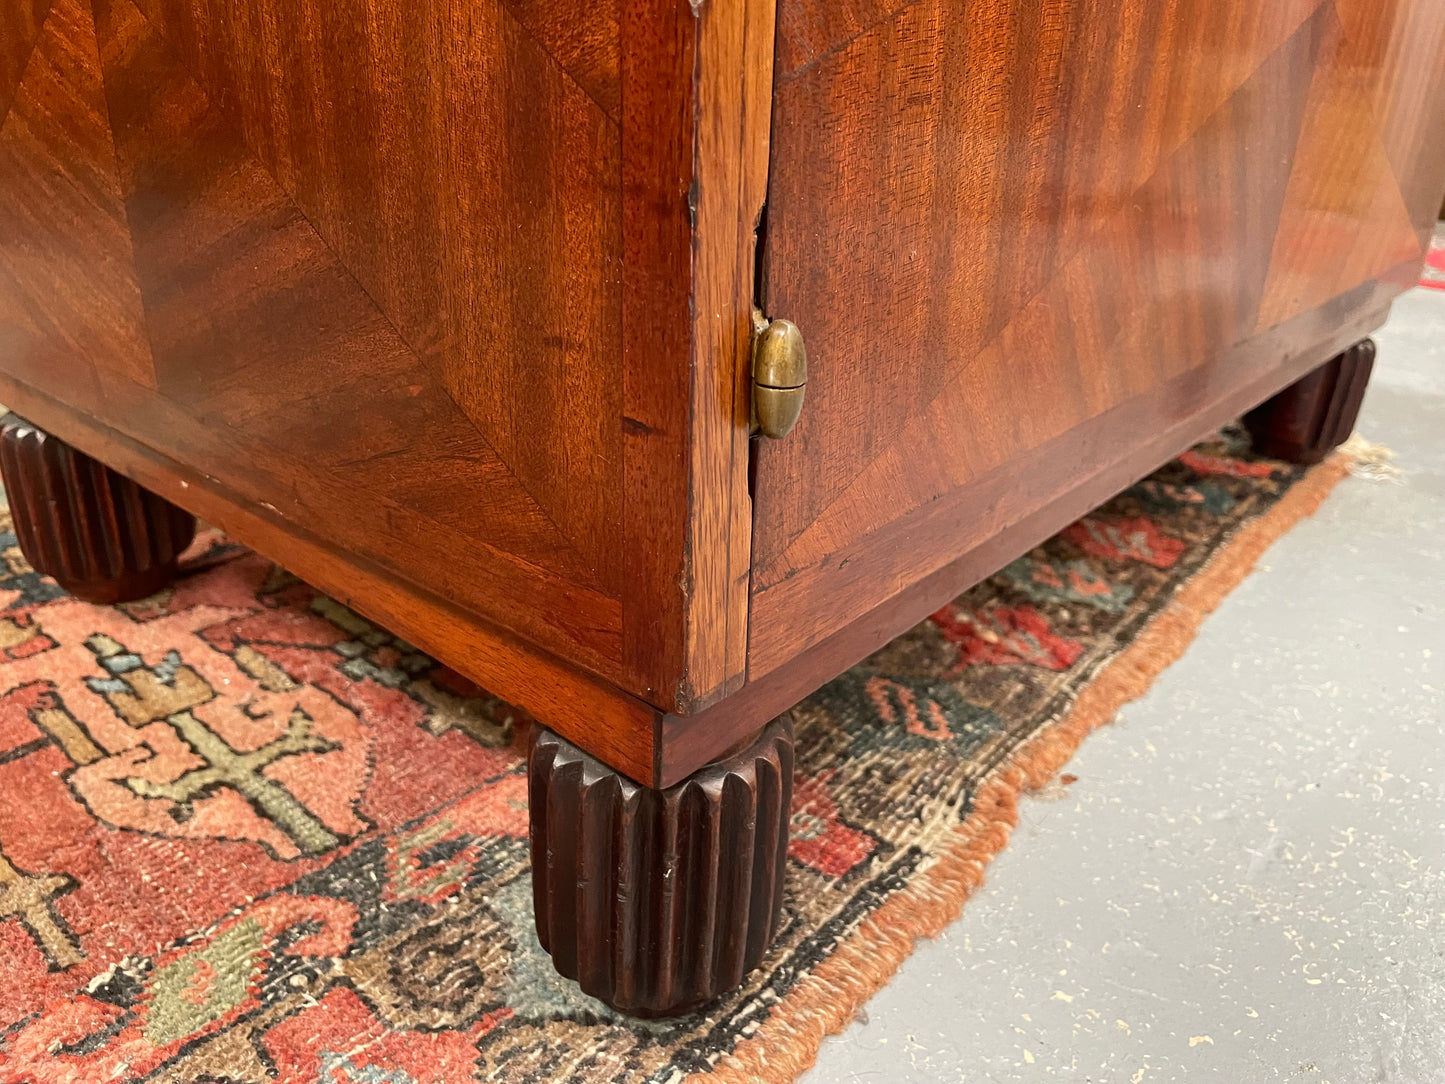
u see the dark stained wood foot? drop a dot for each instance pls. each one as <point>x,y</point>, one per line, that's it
<point>1303,423</point>
<point>98,534</point>
<point>658,901</point>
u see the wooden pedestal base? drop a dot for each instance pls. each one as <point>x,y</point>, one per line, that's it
<point>1303,423</point>
<point>98,534</point>
<point>657,901</point>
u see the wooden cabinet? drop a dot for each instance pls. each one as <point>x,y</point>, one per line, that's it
<point>447,305</point>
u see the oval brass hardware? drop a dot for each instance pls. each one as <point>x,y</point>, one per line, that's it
<point>780,376</point>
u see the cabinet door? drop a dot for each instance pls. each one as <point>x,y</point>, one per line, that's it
<point>1024,238</point>
<point>361,267</point>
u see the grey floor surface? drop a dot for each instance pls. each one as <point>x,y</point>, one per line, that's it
<point>1247,882</point>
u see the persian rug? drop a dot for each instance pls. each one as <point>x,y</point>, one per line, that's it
<point>246,836</point>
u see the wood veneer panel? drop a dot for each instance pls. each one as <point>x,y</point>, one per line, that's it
<point>59,175</point>
<point>998,226</point>
<point>1407,48</point>
<point>1345,215</point>
<point>20,22</point>
<point>492,247</point>
<point>658,61</point>
<point>933,177</point>
<point>585,39</point>
<point>734,91</point>
<point>363,264</point>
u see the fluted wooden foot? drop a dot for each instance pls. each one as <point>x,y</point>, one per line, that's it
<point>656,902</point>
<point>98,534</point>
<point>1306,421</point>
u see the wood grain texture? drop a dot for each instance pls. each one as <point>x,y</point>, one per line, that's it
<point>997,228</point>
<point>364,264</point>
<point>103,538</point>
<point>584,40</point>
<point>734,92</point>
<point>658,901</point>
<point>658,61</point>
<point>492,248</point>
<point>1402,41</point>
<point>21,20</point>
<point>57,166</point>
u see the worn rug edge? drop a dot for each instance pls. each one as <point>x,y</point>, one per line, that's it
<point>826,1001</point>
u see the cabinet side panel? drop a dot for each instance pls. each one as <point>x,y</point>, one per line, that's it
<point>363,263</point>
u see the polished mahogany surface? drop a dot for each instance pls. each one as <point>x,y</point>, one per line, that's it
<point>413,277</point>
<point>1023,237</point>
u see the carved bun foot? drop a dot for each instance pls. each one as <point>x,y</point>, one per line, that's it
<point>657,901</point>
<point>1303,423</point>
<point>98,534</point>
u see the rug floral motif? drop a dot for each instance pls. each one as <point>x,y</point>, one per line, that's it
<point>247,836</point>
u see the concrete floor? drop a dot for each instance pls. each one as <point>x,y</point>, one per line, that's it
<point>1247,883</point>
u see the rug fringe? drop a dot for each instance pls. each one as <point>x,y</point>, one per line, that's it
<point>826,1000</point>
